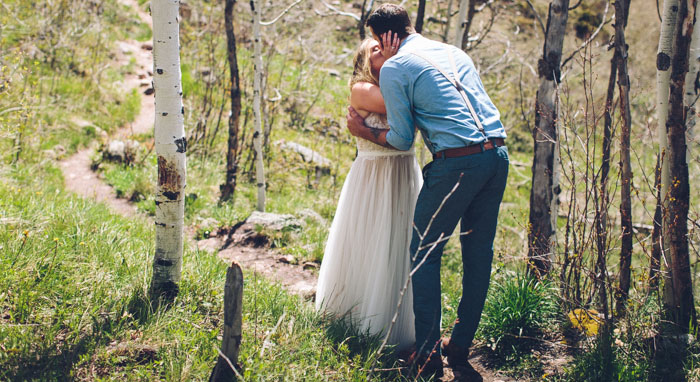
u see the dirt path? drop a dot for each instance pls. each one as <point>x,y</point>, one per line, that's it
<point>80,179</point>
<point>76,170</point>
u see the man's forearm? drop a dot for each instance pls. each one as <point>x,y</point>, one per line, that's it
<point>377,136</point>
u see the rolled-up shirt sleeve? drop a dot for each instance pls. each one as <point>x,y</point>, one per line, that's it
<point>396,87</point>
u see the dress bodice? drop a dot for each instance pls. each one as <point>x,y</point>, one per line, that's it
<point>367,148</point>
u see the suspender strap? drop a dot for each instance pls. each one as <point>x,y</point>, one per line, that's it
<point>455,82</point>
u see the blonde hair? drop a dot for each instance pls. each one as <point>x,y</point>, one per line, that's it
<point>361,65</point>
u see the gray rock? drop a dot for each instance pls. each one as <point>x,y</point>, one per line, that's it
<point>288,259</point>
<point>275,222</point>
<point>121,151</point>
<point>307,155</point>
<point>308,213</point>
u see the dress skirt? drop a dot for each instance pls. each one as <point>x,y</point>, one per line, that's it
<point>366,261</point>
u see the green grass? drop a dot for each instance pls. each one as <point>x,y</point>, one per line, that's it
<point>74,302</point>
<point>518,310</point>
<point>76,307</point>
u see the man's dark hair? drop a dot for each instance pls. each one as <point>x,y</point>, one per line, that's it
<point>390,17</point>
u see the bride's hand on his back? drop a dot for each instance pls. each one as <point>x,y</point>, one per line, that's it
<point>389,44</point>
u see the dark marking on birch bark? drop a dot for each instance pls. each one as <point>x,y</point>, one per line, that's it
<point>181,144</point>
<point>165,114</point>
<point>169,180</point>
<point>160,224</point>
<point>663,61</point>
<point>159,71</point>
<point>164,262</point>
<point>171,195</point>
<point>182,111</point>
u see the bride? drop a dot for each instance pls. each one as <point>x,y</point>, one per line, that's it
<point>366,260</point>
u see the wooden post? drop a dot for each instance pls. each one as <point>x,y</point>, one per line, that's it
<point>233,320</point>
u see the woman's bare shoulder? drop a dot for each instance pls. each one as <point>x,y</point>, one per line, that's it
<point>367,97</point>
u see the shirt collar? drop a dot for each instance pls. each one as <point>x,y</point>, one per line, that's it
<point>410,37</point>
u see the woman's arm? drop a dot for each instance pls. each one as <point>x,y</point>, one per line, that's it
<point>365,96</point>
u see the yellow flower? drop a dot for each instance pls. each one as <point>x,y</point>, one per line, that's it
<point>82,243</point>
<point>585,320</point>
<point>25,233</point>
<point>55,239</point>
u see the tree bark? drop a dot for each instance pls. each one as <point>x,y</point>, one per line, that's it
<point>464,22</point>
<point>171,145</point>
<point>545,165</point>
<point>233,326</point>
<point>420,16</point>
<point>663,75</point>
<point>692,87</point>
<point>680,309</point>
<point>257,100</point>
<point>448,21</point>
<point>232,154</point>
<point>621,12</point>
<point>364,13</point>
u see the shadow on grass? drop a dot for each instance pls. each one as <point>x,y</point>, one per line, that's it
<point>49,363</point>
<point>343,332</point>
<point>346,336</point>
<point>139,306</point>
<point>57,351</point>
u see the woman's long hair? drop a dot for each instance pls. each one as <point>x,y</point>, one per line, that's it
<point>361,65</point>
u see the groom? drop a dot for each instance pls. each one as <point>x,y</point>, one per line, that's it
<point>465,181</point>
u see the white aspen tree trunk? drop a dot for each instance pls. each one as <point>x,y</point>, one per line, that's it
<point>663,76</point>
<point>170,145</point>
<point>461,23</point>
<point>257,99</point>
<point>692,88</point>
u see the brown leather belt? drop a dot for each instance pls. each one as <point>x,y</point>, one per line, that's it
<point>469,150</point>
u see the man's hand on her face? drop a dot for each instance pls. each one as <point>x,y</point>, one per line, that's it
<point>389,43</point>
<point>355,122</point>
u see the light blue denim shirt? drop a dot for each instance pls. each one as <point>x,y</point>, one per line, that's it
<point>418,95</point>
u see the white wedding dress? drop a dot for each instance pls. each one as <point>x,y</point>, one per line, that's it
<point>366,261</point>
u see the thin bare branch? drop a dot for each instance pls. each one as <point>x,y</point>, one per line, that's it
<point>338,11</point>
<point>230,364</point>
<point>265,23</point>
<point>537,15</point>
<point>413,271</point>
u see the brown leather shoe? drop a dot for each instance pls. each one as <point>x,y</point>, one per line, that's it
<point>424,366</point>
<point>457,359</point>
